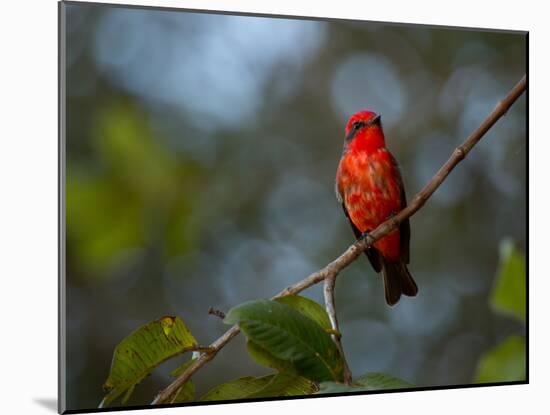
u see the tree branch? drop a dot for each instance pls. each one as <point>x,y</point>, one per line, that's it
<point>330,305</point>
<point>332,269</point>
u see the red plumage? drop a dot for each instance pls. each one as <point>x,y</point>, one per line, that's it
<point>370,188</point>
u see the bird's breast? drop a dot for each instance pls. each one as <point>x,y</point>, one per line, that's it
<point>370,187</point>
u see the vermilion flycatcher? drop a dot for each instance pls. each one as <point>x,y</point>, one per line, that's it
<point>370,188</point>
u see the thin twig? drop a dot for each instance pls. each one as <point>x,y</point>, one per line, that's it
<point>333,268</point>
<point>328,291</point>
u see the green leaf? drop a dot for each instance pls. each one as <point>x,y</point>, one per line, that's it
<point>377,381</point>
<point>307,307</point>
<point>368,382</point>
<point>504,363</point>
<point>185,393</point>
<point>335,387</point>
<point>290,336</point>
<point>264,358</point>
<point>509,294</point>
<point>282,384</point>
<point>236,389</point>
<point>138,354</point>
<point>286,384</point>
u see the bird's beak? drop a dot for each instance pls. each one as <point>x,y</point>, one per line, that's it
<point>375,120</point>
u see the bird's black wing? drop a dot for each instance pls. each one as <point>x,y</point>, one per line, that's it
<point>404,232</point>
<point>404,227</point>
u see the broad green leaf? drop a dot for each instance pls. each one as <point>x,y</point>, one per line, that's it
<point>509,294</point>
<point>307,307</point>
<point>185,393</point>
<point>286,384</point>
<point>264,358</point>
<point>335,387</point>
<point>368,382</point>
<point>376,381</point>
<point>266,386</point>
<point>138,354</point>
<point>290,336</point>
<point>504,363</point>
<point>236,389</point>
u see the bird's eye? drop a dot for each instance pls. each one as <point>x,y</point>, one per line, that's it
<point>356,125</point>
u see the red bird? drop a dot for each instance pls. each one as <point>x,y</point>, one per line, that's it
<point>370,188</point>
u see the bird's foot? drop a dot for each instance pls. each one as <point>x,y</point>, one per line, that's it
<point>363,236</point>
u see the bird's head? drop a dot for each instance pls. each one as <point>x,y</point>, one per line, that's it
<point>364,130</point>
<point>361,122</point>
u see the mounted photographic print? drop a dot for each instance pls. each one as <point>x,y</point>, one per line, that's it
<point>260,207</point>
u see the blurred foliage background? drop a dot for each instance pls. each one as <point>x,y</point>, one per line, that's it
<point>201,155</point>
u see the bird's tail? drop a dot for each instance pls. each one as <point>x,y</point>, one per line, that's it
<point>397,281</point>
